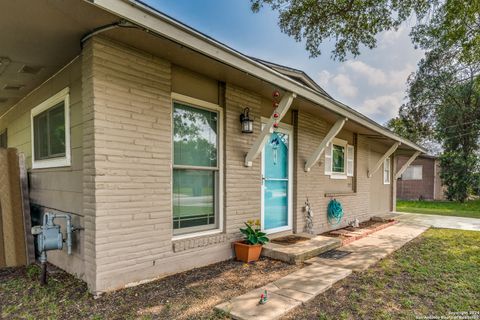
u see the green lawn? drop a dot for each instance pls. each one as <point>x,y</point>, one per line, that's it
<point>436,274</point>
<point>469,209</point>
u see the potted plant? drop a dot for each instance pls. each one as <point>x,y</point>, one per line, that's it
<point>249,249</point>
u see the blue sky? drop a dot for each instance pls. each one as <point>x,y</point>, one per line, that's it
<point>373,83</point>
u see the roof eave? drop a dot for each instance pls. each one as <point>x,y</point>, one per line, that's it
<point>165,26</point>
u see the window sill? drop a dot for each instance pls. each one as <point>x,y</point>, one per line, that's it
<point>338,176</point>
<point>51,163</point>
<point>196,234</point>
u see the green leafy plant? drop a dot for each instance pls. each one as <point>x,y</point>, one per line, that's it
<point>252,234</point>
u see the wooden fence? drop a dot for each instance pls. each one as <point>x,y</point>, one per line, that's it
<point>16,241</point>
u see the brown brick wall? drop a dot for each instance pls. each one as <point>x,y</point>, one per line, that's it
<point>415,189</point>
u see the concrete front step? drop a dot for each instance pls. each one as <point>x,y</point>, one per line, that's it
<point>301,251</point>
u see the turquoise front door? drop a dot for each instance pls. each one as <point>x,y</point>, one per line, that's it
<point>276,182</point>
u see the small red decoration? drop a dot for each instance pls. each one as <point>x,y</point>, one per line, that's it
<point>275,125</point>
<point>276,94</point>
<point>276,115</point>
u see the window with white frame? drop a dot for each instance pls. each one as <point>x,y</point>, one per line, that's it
<point>196,168</point>
<point>50,123</point>
<point>339,159</point>
<point>386,171</point>
<point>414,172</point>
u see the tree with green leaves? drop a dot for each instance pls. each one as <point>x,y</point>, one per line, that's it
<point>443,102</point>
<point>444,97</point>
<point>352,24</point>
<point>458,128</point>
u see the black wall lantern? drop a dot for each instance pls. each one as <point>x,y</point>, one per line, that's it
<point>247,123</point>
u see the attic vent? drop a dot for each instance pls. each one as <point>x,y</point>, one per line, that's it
<point>13,87</point>
<point>30,69</point>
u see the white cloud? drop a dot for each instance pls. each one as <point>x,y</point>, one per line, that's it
<point>344,85</point>
<point>382,107</point>
<point>390,37</point>
<point>398,78</point>
<point>395,78</point>
<point>373,75</point>
<point>324,78</point>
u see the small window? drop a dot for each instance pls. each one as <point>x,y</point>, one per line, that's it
<point>339,158</point>
<point>51,132</point>
<point>196,170</point>
<point>386,171</point>
<point>413,173</point>
<point>3,139</point>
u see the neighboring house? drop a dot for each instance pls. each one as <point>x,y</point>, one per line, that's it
<point>421,180</point>
<point>130,121</point>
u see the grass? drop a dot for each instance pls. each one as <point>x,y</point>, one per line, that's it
<point>469,209</point>
<point>436,274</point>
<point>187,295</point>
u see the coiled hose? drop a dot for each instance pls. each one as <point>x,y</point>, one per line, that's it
<point>334,212</point>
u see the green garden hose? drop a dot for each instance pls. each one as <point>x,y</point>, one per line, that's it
<point>334,212</point>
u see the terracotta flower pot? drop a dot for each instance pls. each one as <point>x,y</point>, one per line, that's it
<point>247,252</point>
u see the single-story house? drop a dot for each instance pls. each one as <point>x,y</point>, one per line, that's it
<point>130,121</point>
<point>421,180</point>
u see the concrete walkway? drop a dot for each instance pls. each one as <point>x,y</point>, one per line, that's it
<point>437,221</point>
<point>305,284</point>
<point>367,251</point>
<point>284,294</point>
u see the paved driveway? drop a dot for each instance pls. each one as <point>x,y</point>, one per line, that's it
<point>439,221</point>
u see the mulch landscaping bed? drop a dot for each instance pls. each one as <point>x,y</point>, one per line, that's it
<point>290,239</point>
<point>187,295</point>
<point>350,234</point>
